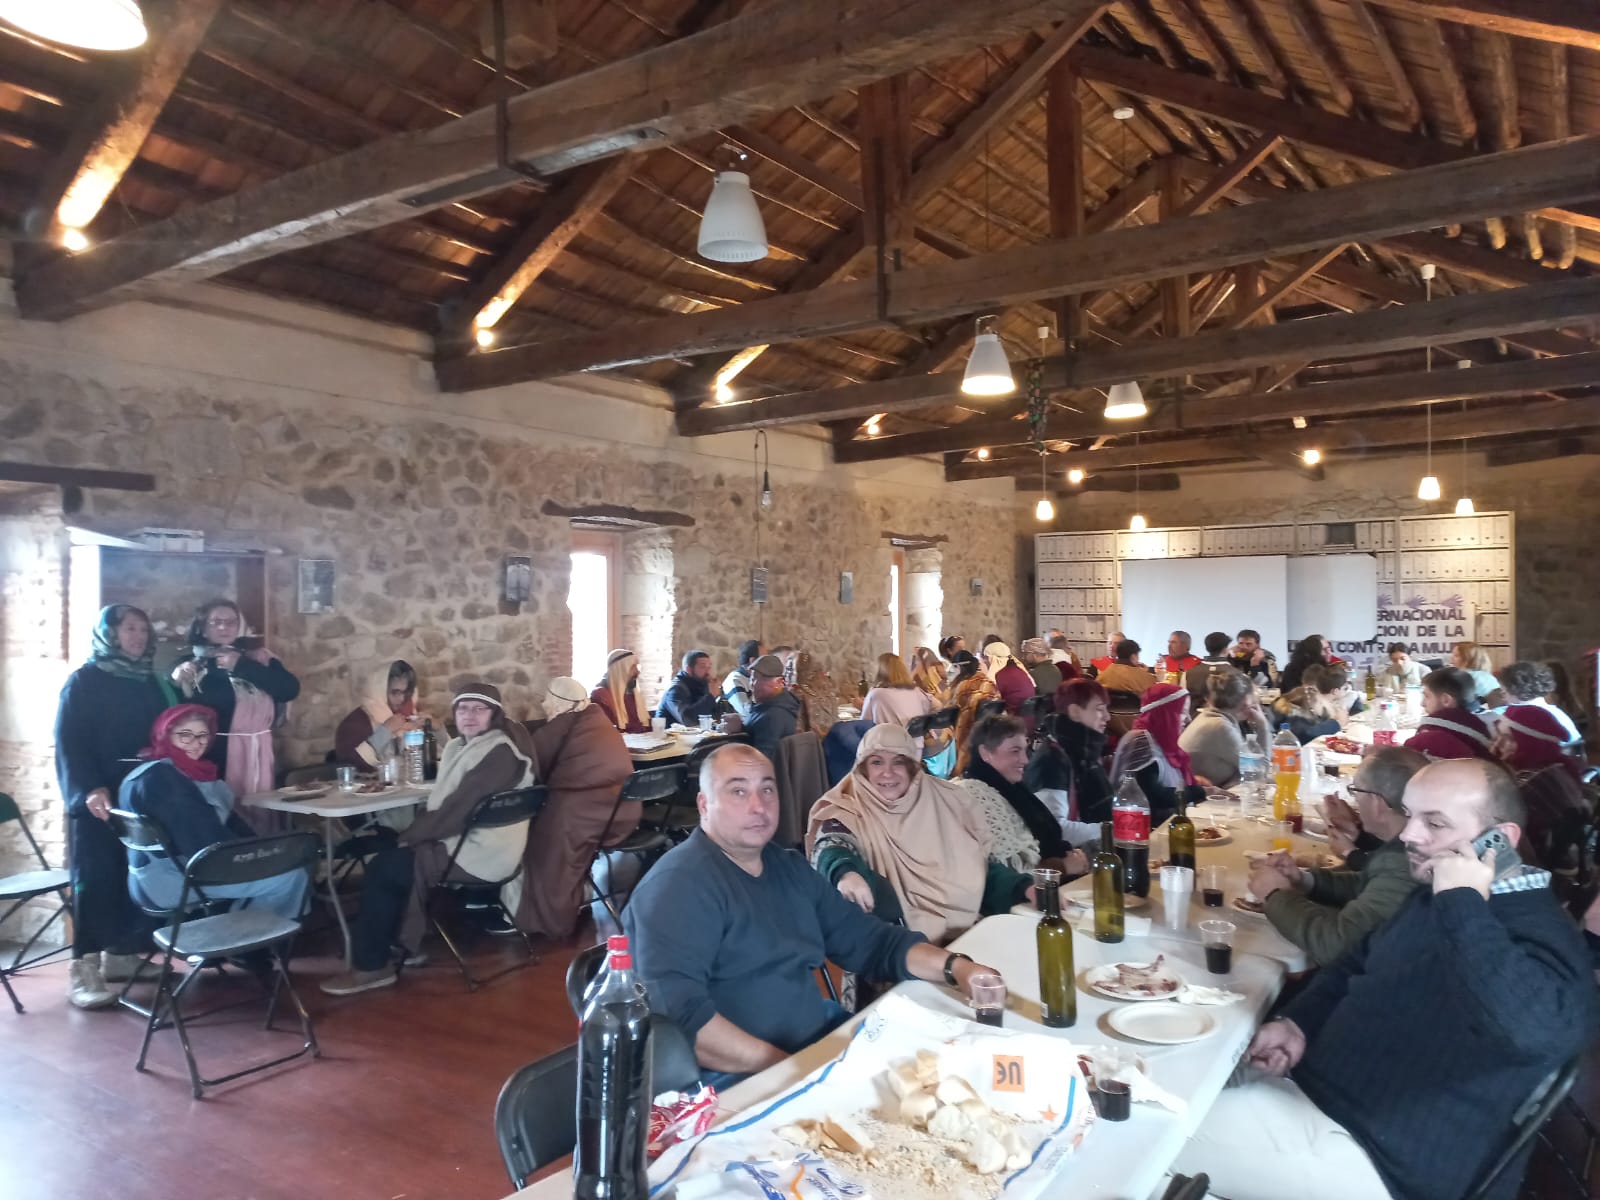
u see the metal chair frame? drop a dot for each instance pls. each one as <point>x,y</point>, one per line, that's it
<point>989,708</point>
<point>942,718</point>
<point>688,790</point>
<point>237,861</point>
<point>1526,1124</point>
<point>25,887</point>
<point>492,812</point>
<point>652,783</point>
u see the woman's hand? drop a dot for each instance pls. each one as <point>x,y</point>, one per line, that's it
<point>261,655</point>
<point>98,802</point>
<point>227,659</point>
<point>856,890</point>
<point>187,675</point>
<point>397,723</point>
<point>1075,863</point>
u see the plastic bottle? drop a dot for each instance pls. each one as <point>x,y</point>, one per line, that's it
<point>1130,823</point>
<point>616,943</point>
<point>1252,775</point>
<point>614,1088</point>
<point>1285,771</point>
<point>416,767</point>
<point>1308,792</point>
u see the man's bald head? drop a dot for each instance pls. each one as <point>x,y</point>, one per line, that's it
<point>738,801</point>
<point>1451,802</point>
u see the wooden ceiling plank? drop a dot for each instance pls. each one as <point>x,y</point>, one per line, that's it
<point>1410,108</point>
<point>108,137</point>
<point>1455,89</point>
<point>1543,20</point>
<point>1341,398</point>
<point>775,56</point>
<point>1560,126</point>
<point>1366,211</point>
<point>1176,316</point>
<point>1329,59</point>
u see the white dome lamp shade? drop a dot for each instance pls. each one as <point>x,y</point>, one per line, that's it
<point>731,229</point>
<point>1464,507</point>
<point>1428,489</point>
<point>88,24</point>
<point>1125,402</point>
<point>988,369</point>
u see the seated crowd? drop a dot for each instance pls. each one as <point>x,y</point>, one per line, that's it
<point>1447,982</point>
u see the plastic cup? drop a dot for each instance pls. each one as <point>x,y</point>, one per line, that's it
<point>658,724</point>
<point>1213,886</point>
<point>706,723</point>
<point>1044,877</point>
<point>1177,887</point>
<point>1283,836</point>
<point>1217,938</point>
<point>988,997</point>
<point>347,779</point>
<point>1115,1100</point>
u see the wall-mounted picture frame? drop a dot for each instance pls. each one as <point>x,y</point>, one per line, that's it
<point>847,587</point>
<point>314,590</point>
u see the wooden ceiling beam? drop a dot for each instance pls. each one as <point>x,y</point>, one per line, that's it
<point>1365,141</point>
<point>1348,436</point>
<point>1064,168</point>
<point>564,214</point>
<point>110,132</point>
<point>777,55</point>
<point>1365,211</point>
<point>1542,450</point>
<point>1410,110</point>
<point>1342,398</point>
<point>1543,20</point>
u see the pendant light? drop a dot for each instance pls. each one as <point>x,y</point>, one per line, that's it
<point>1464,507</point>
<point>1075,475</point>
<point>988,369</point>
<point>1125,401</point>
<point>89,24</point>
<point>1428,489</point>
<point>1137,522</point>
<point>1044,510</point>
<point>731,229</point>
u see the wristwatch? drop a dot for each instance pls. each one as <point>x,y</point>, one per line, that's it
<point>950,967</point>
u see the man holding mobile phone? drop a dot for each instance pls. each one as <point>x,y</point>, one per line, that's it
<point>1397,1071</point>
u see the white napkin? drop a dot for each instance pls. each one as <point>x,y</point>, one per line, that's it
<point>1141,1088</point>
<point>1132,926</point>
<point>1193,993</point>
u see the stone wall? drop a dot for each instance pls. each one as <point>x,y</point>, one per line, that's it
<point>1556,503</point>
<point>312,447</point>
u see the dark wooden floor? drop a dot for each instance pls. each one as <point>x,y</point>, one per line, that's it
<point>400,1104</point>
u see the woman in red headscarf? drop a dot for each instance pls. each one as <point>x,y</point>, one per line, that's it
<point>178,788</point>
<point>1151,754</point>
<point>1531,740</point>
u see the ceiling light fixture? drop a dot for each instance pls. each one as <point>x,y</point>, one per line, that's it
<point>89,24</point>
<point>983,454</point>
<point>1299,422</point>
<point>988,369</point>
<point>1428,489</point>
<point>1044,510</point>
<point>484,337</point>
<point>731,228</point>
<point>873,428</point>
<point>74,239</point>
<point>1075,475</point>
<point>1464,506</point>
<point>1137,522</point>
<point>1125,402</point>
<point>1311,457</point>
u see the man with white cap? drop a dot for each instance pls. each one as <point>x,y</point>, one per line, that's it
<point>483,759</point>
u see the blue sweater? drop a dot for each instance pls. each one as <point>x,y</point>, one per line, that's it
<point>709,939</point>
<point>1426,1039</point>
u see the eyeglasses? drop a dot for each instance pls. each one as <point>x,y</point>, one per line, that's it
<point>185,737</point>
<point>217,621</point>
<point>1355,791</point>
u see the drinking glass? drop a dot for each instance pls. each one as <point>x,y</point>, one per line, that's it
<point>1177,888</point>
<point>988,996</point>
<point>1283,836</point>
<point>1213,881</point>
<point>658,724</point>
<point>1217,938</point>
<point>347,778</point>
<point>706,722</point>
<point>1044,877</point>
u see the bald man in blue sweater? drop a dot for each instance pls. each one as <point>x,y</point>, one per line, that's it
<point>1397,1071</point>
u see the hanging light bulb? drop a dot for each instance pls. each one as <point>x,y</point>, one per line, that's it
<point>1428,489</point>
<point>731,229</point>
<point>1125,402</point>
<point>988,369</point>
<point>983,454</point>
<point>1138,522</point>
<point>91,24</point>
<point>74,239</point>
<point>484,338</point>
<point>766,492</point>
<point>1464,507</point>
<point>1075,475</point>
<point>873,428</point>
<point>1044,510</point>
<point>1311,457</point>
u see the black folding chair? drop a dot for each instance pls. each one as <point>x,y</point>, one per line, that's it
<point>536,1114</point>
<point>198,939</point>
<point>679,816</point>
<point>492,812</point>
<point>944,718</point>
<point>989,708</point>
<point>1187,1187</point>
<point>585,965</point>
<point>26,886</point>
<point>653,784</point>
<point>1526,1123</point>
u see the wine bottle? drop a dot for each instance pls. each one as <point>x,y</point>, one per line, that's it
<point>1180,838</point>
<point>1058,988</point>
<point>1108,902</point>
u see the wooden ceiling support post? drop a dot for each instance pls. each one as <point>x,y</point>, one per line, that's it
<point>1175,314</point>
<point>1064,167</point>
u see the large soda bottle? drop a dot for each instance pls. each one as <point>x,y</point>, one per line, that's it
<point>1130,824</point>
<point>614,1090</point>
<point>1286,773</point>
<point>616,943</point>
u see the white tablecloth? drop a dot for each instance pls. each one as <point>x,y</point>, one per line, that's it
<point>1118,1161</point>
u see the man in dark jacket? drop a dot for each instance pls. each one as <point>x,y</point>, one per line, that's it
<point>774,711</point>
<point>693,693</point>
<point>1410,1056</point>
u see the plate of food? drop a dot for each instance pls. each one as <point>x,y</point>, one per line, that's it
<point>1249,905</point>
<point>1135,981</point>
<point>1163,1024</point>
<point>1084,901</point>
<point>372,787</point>
<point>311,789</point>
<point>1211,835</point>
<point>1343,745</point>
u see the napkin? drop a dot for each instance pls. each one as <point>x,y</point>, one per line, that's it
<point>1132,926</point>
<point>1141,1088</point>
<point>1193,993</point>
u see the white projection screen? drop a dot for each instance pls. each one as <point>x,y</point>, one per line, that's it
<point>1335,595</point>
<point>1205,594</point>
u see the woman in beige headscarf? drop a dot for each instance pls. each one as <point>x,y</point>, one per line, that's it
<point>583,762</point>
<point>819,699</point>
<point>618,693</point>
<point>900,843</point>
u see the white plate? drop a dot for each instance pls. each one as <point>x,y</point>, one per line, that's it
<point>1098,980</point>
<point>1225,840</point>
<point>316,793</point>
<point>1307,831</point>
<point>1085,900</point>
<point>1245,912</point>
<point>1162,1025</point>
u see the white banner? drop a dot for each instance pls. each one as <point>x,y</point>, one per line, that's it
<point>1429,622</point>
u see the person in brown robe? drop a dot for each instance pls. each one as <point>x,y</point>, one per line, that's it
<point>583,762</point>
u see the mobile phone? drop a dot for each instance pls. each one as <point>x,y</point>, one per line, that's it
<point>1493,839</point>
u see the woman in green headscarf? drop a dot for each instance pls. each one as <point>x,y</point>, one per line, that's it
<point>107,708</point>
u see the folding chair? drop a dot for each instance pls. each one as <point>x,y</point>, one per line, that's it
<point>944,718</point>
<point>989,708</point>
<point>1526,1123</point>
<point>201,939</point>
<point>536,1114</point>
<point>581,971</point>
<point>24,886</point>
<point>679,816</point>
<point>653,784</point>
<point>492,812</point>
<point>1187,1187</point>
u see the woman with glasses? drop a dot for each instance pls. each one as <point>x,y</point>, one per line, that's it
<point>178,787</point>
<point>232,672</point>
<point>104,717</point>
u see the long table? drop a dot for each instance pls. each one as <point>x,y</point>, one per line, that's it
<point>1118,1161</point>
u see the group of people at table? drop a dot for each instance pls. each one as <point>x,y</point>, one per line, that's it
<point>1447,984</point>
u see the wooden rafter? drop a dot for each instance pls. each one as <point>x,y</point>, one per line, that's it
<point>1558,21</point>
<point>1065,170</point>
<point>780,54</point>
<point>1535,176</point>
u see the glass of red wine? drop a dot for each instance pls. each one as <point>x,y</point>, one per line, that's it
<point>988,994</point>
